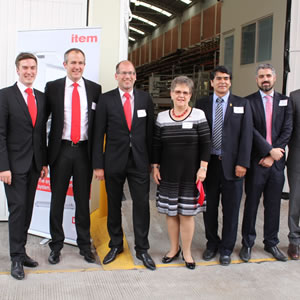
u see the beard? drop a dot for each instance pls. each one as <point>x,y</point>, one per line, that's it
<point>266,88</point>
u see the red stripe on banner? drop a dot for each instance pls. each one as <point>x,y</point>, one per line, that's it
<point>44,186</point>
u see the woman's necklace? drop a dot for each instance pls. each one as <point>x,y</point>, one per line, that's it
<point>181,115</point>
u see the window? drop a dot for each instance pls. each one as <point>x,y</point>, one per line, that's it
<point>257,41</point>
<point>228,52</point>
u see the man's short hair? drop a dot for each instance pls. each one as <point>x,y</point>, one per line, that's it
<point>182,80</point>
<point>24,55</point>
<point>265,66</point>
<point>221,69</point>
<point>76,50</point>
<point>118,65</point>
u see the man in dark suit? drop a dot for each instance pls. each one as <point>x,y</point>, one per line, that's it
<point>125,115</point>
<point>22,155</point>
<point>230,121</point>
<point>272,121</point>
<point>293,167</point>
<point>71,101</point>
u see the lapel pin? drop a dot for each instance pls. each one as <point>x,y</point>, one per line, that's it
<point>230,104</point>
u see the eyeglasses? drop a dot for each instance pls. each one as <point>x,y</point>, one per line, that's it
<point>126,73</point>
<point>178,93</point>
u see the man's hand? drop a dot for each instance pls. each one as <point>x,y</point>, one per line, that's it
<point>266,162</point>
<point>277,153</point>
<point>5,176</point>
<point>44,172</point>
<point>240,171</point>
<point>99,174</point>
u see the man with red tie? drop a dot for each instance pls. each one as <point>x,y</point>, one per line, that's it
<point>23,156</point>
<point>71,101</point>
<point>125,115</point>
<point>272,120</point>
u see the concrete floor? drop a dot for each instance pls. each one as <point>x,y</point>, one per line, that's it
<point>73,278</point>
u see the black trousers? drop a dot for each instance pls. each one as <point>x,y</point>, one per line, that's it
<point>71,161</point>
<point>269,182</point>
<point>139,189</point>
<point>20,198</point>
<point>231,193</point>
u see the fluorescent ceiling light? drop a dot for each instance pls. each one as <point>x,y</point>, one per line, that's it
<point>186,1</point>
<point>153,7</point>
<point>131,39</point>
<point>144,20</point>
<point>137,30</point>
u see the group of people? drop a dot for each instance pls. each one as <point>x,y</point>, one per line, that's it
<point>215,145</point>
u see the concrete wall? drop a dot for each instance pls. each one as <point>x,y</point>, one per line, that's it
<point>236,14</point>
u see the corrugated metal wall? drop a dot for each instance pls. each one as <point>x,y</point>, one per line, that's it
<point>16,15</point>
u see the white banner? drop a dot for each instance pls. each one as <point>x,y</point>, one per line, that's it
<point>49,46</point>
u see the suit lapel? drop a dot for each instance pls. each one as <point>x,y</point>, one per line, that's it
<point>22,103</point>
<point>136,107</point>
<point>88,97</point>
<point>38,105</point>
<point>229,108</point>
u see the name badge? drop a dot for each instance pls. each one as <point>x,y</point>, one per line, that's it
<point>93,105</point>
<point>141,113</point>
<point>187,125</point>
<point>283,102</point>
<point>238,109</point>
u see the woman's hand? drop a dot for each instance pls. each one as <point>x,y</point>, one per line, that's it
<point>156,174</point>
<point>201,174</point>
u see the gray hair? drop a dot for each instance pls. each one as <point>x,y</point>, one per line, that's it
<point>265,66</point>
<point>182,80</point>
<point>76,50</point>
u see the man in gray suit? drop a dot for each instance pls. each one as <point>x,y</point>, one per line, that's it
<point>293,171</point>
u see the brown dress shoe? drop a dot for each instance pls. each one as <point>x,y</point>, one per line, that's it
<point>293,251</point>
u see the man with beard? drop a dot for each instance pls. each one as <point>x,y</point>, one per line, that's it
<point>272,121</point>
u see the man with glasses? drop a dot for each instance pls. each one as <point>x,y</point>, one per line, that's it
<point>125,115</point>
<point>230,121</point>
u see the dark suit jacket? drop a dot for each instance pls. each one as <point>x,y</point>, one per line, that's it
<point>55,94</point>
<point>282,125</point>
<point>110,119</point>
<point>19,140</point>
<point>293,161</point>
<point>237,133</point>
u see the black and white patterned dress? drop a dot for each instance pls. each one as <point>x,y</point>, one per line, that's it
<point>178,148</point>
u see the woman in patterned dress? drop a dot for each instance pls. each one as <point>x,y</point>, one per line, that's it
<point>181,151</point>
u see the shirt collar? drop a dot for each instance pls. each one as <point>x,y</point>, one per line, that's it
<point>69,82</point>
<point>22,87</point>
<point>264,94</point>
<point>122,93</point>
<point>225,98</point>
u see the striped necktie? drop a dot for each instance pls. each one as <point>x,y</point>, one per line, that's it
<point>218,125</point>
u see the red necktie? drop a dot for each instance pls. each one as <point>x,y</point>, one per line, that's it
<point>127,110</point>
<point>269,112</point>
<point>31,105</point>
<point>75,124</point>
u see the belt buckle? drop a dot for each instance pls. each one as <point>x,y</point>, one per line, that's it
<point>74,145</point>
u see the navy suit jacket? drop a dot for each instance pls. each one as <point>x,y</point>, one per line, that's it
<point>237,133</point>
<point>110,120</point>
<point>19,140</point>
<point>282,125</point>
<point>55,95</point>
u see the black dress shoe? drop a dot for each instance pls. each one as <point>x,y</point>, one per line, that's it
<point>54,257</point>
<point>29,262</point>
<point>17,270</point>
<point>245,254</point>
<point>112,254</point>
<point>88,255</point>
<point>293,251</point>
<point>209,254</point>
<point>189,265</point>
<point>147,260</point>
<point>225,260</point>
<point>166,259</point>
<point>276,253</point>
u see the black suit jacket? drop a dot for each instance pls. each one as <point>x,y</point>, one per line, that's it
<point>19,140</point>
<point>55,94</point>
<point>110,120</point>
<point>282,125</point>
<point>237,133</point>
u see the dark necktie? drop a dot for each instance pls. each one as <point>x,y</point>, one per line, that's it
<point>127,110</point>
<point>75,123</point>
<point>31,105</point>
<point>218,126</point>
